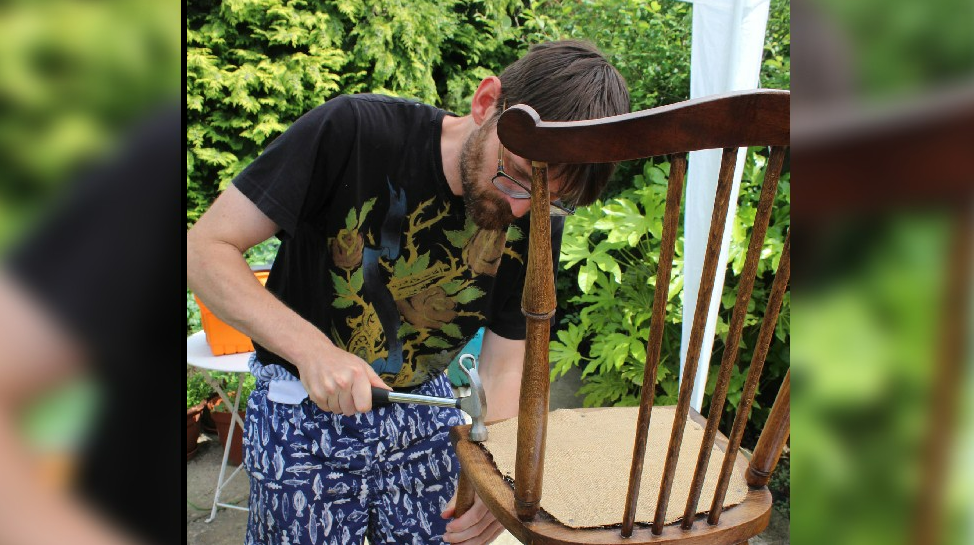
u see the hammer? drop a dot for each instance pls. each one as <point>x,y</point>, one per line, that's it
<point>474,405</point>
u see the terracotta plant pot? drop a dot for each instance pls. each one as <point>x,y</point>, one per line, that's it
<point>193,429</point>
<point>223,421</point>
<point>206,419</point>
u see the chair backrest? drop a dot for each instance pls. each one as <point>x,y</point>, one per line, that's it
<point>730,121</point>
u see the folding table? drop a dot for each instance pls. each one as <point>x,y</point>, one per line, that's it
<point>198,355</point>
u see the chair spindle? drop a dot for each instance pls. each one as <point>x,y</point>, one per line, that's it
<point>671,218</point>
<point>724,184</point>
<point>775,298</point>
<point>733,339</point>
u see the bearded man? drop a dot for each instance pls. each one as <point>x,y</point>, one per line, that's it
<point>400,238</point>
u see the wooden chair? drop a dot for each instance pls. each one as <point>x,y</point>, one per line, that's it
<point>730,121</point>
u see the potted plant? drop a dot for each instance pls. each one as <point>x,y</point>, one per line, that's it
<point>221,413</point>
<point>197,391</point>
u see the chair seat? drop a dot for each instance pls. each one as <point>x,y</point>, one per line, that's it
<point>737,523</point>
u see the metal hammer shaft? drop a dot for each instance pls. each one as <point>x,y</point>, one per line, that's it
<point>381,397</point>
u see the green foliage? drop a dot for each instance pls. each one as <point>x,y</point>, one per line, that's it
<point>197,390</point>
<point>263,253</point>
<point>647,40</point>
<point>73,76</point>
<point>611,248</point>
<point>776,61</point>
<point>892,49</point>
<point>229,382</point>
<point>254,66</point>
<point>193,323</point>
<point>871,375</point>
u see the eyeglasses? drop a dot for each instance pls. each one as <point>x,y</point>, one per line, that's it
<point>517,190</point>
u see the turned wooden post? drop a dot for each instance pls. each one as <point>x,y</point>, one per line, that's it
<point>773,438</point>
<point>538,306</point>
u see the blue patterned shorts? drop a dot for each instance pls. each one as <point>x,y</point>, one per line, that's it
<point>317,477</point>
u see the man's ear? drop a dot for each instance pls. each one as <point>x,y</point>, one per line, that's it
<point>485,99</point>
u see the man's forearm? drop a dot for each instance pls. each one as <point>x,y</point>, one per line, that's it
<point>219,275</point>
<point>501,362</point>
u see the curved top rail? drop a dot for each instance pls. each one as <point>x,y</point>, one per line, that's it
<point>742,118</point>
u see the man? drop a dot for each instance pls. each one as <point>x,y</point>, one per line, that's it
<point>400,238</point>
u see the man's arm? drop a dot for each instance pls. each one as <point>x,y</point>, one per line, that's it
<point>336,380</point>
<point>35,353</point>
<point>501,366</point>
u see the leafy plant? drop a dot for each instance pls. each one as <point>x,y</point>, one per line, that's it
<point>76,75</point>
<point>197,389</point>
<point>229,382</point>
<point>255,66</point>
<point>611,249</point>
<point>776,60</point>
<point>193,322</point>
<point>263,253</point>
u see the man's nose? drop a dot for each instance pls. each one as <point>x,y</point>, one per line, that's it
<point>519,207</point>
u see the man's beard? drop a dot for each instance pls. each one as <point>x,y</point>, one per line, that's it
<point>486,207</point>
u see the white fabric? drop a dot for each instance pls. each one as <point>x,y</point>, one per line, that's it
<point>289,392</point>
<point>726,50</point>
<point>283,387</point>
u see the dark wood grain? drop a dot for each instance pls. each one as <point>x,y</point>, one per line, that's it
<point>671,218</point>
<point>773,437</point>
<point>739,523</point>
<point>732,341</point>
<point>762,344</point>
<point>538,305</point>
<point>725,180</point>
<point>465,495</point>
<point>732,120</point>
<point>840,150</point>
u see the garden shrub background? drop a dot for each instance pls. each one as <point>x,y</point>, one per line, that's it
<point>73,77</point>
<point>255,66</point>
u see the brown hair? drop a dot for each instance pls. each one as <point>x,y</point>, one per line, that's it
<point>568,80</point>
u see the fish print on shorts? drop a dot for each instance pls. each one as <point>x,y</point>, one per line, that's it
<point>319,478</point>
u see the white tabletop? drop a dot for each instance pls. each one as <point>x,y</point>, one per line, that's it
<point>198,354</point>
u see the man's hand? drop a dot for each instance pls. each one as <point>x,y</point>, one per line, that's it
<point>476,527</point>
<point>341,382</point>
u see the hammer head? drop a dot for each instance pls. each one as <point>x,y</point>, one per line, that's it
<point>474,404</point>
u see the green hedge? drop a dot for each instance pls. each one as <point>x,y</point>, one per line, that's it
<point>255,66</point>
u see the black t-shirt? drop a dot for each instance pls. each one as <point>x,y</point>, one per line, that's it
<point>376,251</point>
<point>107,262</point>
